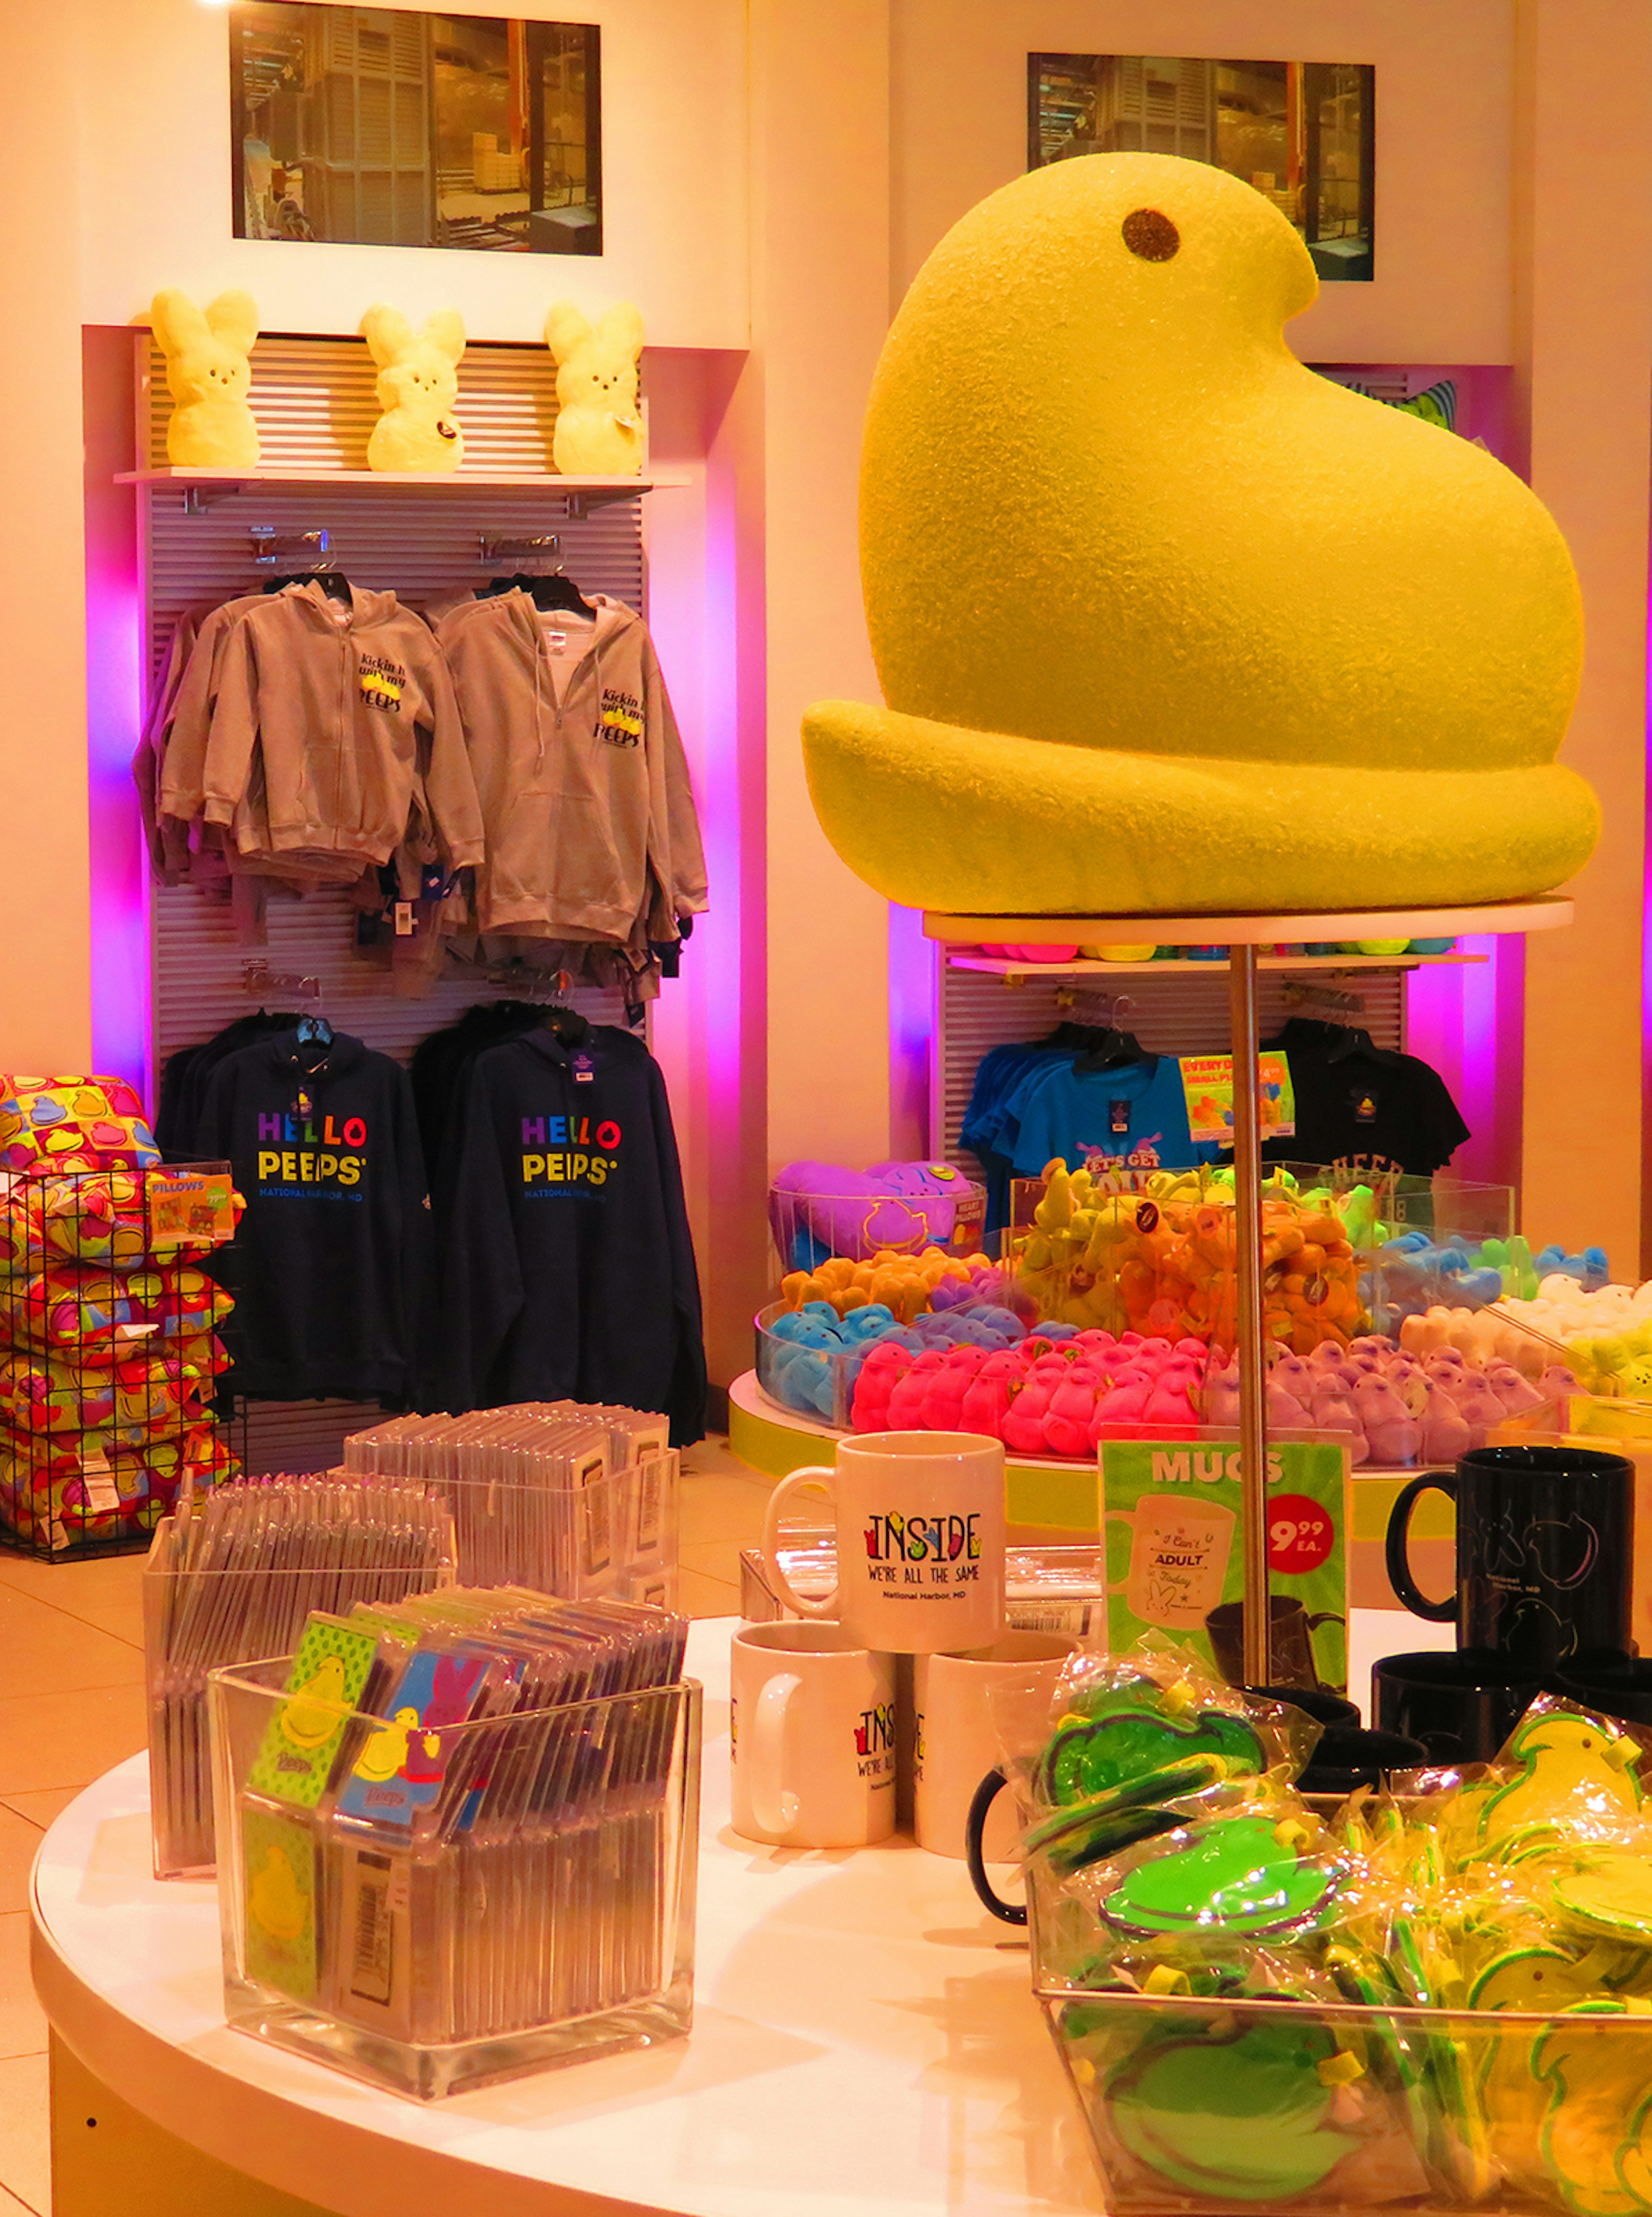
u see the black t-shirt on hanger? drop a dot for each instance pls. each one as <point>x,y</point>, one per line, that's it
<point>1364,1106</point>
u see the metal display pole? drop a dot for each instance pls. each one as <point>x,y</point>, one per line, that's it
<point>1243,934</point>
<point>1252,1376</point>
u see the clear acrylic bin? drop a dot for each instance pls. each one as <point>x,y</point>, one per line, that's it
<point>537,1910</point>
<point>1329,2109</point>
<point>197,1621</point>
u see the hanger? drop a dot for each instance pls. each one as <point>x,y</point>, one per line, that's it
<point>567,1025</point>
<point>333,583</point>
<point>548,590</point>
<point>1112,1049</point>
<point>313,1032</point>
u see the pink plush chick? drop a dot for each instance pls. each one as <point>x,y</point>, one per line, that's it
<point>1477,1406</point>
<point>1333,1411</point>
<point>1292,1373</point>
<point>1072,1407</point>
<point>1221,1396</point>
<point>1024,1420</point>
<point>883,1365</point>
<point>906,1395</point>
<point>942,1404</point>
<point>1170,1405</point>
<point>1445,1434</point>
<point>1392,1433</point>
<point>1286,1412</point>
<point>987,1401</point>
<point>1514,1391</point>
<point>1119,1412</point>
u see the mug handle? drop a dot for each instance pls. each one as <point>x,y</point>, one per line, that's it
<point>1121,1517</point>
<point>817,1474</point>
<point>1397,1547</point>
<point>775,1809</point>
<point>1011,1912</point>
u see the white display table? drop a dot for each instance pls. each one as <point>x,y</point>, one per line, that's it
<point>864,2043</point>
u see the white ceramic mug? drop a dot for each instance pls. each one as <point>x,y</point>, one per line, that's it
<point>1178,1558</point>
<point>957,1703</point>
<point>812,1736</point>
<point>920,1541</point>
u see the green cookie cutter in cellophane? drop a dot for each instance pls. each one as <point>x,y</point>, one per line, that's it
<point>1118,1720</point>
<point>1262,1874</point>
<point>1259,2107</point>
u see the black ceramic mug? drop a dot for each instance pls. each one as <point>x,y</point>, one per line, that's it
<point>1545,1546</point>
<point>1291,1660</point>
<point>1460,1708</point>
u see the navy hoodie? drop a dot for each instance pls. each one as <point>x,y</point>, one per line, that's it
<point>331,1265</point>
<point>565,1266</point>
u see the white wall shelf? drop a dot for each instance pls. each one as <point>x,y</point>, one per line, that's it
<point>203,487</point>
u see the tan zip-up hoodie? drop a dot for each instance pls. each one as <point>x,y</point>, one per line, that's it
<point>583,782</point>
<point>353,710</point>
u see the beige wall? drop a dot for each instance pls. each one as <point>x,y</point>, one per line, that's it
<point>45,915</point>
<point>154,159</point>
<point>1584,367</point>
<point>821,296</point>
<point>1444,77</point>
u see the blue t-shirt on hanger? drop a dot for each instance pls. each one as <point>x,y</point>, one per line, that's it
<point>998,1074</point>
<point>1133,1117</point>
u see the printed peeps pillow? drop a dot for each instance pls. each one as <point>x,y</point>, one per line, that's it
<point>99,1217</point>
<point>73,1124</point>
<point>136,1397</point>
<point>50,1497</point>
<point>101,1315</point>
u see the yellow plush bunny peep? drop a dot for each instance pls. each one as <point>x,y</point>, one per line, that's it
<point>598,423</point>
<point>208,376</point>
<point>417,388</point>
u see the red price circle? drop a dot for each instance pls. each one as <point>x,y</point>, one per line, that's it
<point>1300,1536</point>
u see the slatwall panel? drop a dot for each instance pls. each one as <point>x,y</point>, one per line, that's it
<point>1184,1012</point>
<point>315,406</point>
<point>414,542</point>
<point>313,398</point>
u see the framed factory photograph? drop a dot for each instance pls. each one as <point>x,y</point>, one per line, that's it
<point>382,127</point>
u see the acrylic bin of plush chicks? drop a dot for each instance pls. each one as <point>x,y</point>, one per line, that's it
<point>1437,1998</point>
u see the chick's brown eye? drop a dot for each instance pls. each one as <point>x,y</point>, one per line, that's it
<point>1151,234</point>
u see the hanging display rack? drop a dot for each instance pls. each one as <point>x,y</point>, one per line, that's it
<point>1242,935</point>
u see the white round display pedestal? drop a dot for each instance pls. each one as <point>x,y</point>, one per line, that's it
<point>864,2044</point>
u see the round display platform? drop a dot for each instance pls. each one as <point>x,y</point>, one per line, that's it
<point>1051,1500</point>
<point>864,2044</point>
<point>1541,912</point>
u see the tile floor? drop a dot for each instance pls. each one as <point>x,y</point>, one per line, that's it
<point>72,1640</point>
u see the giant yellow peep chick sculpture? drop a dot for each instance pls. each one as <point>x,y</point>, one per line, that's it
<point>1165,621</point>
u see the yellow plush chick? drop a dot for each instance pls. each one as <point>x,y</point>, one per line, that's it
<point>418,388</point>
<point>599,418</point>
<point>1274,645</point>
<point>208,376</point>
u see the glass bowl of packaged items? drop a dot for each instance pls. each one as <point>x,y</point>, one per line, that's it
<point>1437,1994</point>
